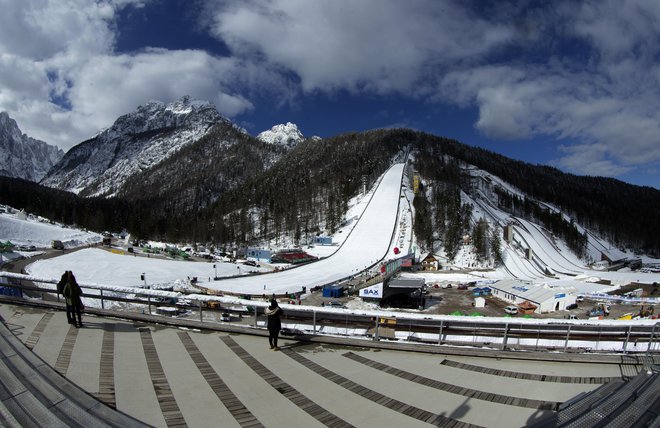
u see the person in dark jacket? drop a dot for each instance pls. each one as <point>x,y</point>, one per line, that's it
<point>72,293</point>
<point>60,290</point>
<point>274,313</point>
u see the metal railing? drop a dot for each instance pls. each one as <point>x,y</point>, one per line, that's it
<point>636,336</point>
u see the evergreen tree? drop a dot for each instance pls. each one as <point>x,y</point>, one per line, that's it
<point>496,244</point>
<point>422,223</point>
<point>480,241</point>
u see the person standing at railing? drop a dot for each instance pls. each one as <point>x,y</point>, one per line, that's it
<point>72,293</point>
<point>274,313</point>
<point>60,290</point>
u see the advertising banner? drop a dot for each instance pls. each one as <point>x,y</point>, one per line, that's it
<point>373,292</point>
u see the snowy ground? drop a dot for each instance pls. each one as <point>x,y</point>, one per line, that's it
<point>30,231</point>
<point>376,223</point>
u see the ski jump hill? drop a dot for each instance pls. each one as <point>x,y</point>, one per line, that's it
<point>366,245</point>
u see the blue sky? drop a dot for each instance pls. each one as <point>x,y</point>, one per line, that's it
<point>572,84</point>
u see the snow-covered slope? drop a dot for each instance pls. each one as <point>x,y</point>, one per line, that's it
<point>135,142</point>
<point>30,231</point>
<point>22,156</point>
<point>285,135</point>
<point>533,252</point>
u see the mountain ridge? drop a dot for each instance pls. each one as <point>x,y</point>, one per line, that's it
<point>181,171</point>
<point>136,141</point>
<point>22,156</point>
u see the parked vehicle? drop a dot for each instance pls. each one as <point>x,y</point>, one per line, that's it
<point>336,305</point>
<point>571,306</point>
<point>599,310</point>
<point>511,310</point>
<point>579,298</point>
<point>57,245</point>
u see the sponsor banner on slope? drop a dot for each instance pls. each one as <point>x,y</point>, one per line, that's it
<point>373,292</point>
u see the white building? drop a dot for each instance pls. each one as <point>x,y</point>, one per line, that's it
<point>545,297</point>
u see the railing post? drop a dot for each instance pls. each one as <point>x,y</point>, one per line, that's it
<point>648,350</point>
<point>625,344</point>
<point>442,323</point>
<point>149,302</point>
<point>255,316</point>
<point>506,334</point>
<point>568,334</point>
<point>102,302</point>
<point>314,322</point>
<point>200,311</point>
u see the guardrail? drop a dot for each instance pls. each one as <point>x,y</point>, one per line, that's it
<point>635,336</point>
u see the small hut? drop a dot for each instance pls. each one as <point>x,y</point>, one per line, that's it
<point>527,308</point>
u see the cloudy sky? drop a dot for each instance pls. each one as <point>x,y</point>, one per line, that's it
<point>572,84</point>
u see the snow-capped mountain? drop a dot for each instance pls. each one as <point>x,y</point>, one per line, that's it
<point>136,141</point>
<point>22,156</point>
<point>287,135</point>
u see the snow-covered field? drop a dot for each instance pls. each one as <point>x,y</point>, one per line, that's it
<point>28,231</point>
<point>98,266</point>
<point>376,223</point>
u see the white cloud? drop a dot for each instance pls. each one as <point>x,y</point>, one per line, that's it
<point>590,159</point>
<point>371,45</point>
<point>63,82</point>
<point>585,73</point>
<point>155,74</point>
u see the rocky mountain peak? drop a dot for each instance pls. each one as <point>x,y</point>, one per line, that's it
<point>135,142</point>
<point>22,156</point>
<point>287,135</point>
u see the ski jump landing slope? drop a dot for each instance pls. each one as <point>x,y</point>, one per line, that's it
<point>367,244</point>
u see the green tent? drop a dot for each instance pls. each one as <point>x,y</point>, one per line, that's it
<point>457,313</point>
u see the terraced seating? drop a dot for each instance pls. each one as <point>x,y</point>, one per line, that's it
<point>34,394</point>
<point>621,403</point>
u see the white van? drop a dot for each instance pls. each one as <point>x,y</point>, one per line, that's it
<point>511,310</point>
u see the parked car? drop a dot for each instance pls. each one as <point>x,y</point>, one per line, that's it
<point>571,306</point>
<point>225,317</point>
<point>511,310</point>
<point>579,299</point>
<point>336,305</point>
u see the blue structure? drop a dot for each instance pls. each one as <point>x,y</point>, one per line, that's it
<point>11,291</point>
<point>258,254</point>
<point>323,240</point>
<point>334,291</point>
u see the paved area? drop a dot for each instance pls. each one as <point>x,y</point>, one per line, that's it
<point>168,376</point>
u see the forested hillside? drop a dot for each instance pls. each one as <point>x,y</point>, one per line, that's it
<point>231,189</point>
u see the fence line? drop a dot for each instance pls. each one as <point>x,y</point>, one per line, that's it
<point>640,336</point>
